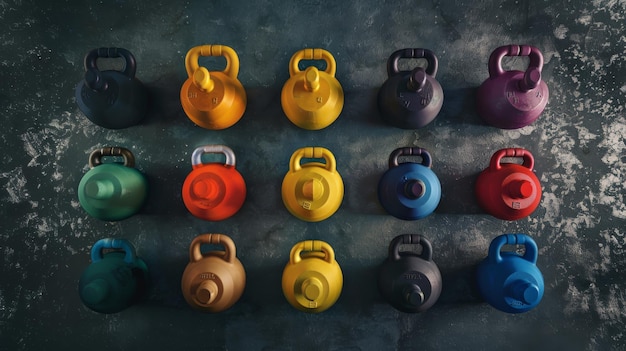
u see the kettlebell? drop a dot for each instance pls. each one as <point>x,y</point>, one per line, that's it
<point>213,191</point>
<point>213,99</point>
<point>508,281</point>
<point>512,99</point>
<point>213,281</point>
<point>111,99</point>
<point>509,191</point>
<point>112,191</point>
<point>410,282</point>
<point>312,279</point>
<point>312,99</point>
<point>410,99</point>
<point>312,191</point>
<point>114,280</point>
<point>409,190</point>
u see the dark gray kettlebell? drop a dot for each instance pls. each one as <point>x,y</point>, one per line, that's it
<point>410,282</point>
<point>112,99</point>
<point>410,99</point>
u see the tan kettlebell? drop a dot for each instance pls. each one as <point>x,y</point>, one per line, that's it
<point>213,281</point>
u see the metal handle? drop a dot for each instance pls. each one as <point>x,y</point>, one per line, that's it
<point>311,246</point>
<point>232,60</point>
<point>392,62</point>
<point>529,161</point>
<point>93,76</point>
<point>312,54</point>
<point>196,156</point>
<point>513,239</point>
<point>196,255</point>
<point>109,243</point>
<point>95,158</point>
<point>312,152</point>
<point>406,239</point>
<point>410,151</point>
<point>532,76</point>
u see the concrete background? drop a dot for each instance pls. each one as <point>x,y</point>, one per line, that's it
<point>578,144</point>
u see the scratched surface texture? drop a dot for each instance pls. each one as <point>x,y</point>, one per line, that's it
<point>579,146</point>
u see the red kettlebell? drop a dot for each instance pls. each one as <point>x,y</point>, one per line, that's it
<point>214,191</point>
<point>509,191</point>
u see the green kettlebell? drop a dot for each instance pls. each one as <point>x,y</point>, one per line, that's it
<point>114,280</point>
<point>112,191</point>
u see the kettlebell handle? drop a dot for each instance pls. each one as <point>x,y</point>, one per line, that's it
<point>109,243</point>
<point>312,54</point>
<point>196,255</point>
<point>392,62</point>
<point>410,151</point>
<point>93,77</point>
<point>95,158</point>
<point>529,161</point>
<point>196,156</point>
<point>532,76</point>
<point>407,239</point>
<point>232,60</point>
<point>312,152</point>
<point>311,246</point>
<point>513,239</point>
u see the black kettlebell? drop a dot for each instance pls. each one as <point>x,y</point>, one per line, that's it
<point>410,282</point>
<point>111,99</point>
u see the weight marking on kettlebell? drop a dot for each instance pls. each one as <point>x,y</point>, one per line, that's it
<point>319,99</point>
<point>412,276</point>
<point>215,101</point>
<point>511,95</point>
<point>516,205</point>
<point>306,205</point>
<point>539,94</point>
<point>207,276</point>
<point>192,95</point>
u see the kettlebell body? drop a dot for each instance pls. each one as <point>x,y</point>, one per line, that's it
<point>409,190</point>
<point>114,280</point>
<point>512,99</point>
<point>111,99</point>
<point>213,99</point>
<point>312,99</point>
<point>410,99</point>
<point>112,191</point>
<point>410,282</point>
<point>508,281</point>
<point>509,191</point>
<point>312,280</point>
<point>213,281</point>
<point>213,191</point>
<point>312,191</point>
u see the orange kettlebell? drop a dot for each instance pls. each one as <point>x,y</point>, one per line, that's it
<point>213,191</point>
<point>216,99</point>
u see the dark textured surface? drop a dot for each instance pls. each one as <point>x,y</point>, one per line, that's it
<point>578,144</point>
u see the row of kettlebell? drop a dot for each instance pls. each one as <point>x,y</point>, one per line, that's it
<point>311,191</point>
<point>312,99</point>
<point>312,280</point>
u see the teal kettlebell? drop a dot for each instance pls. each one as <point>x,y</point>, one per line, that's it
<point>112,191</point>
<point>114,280</point>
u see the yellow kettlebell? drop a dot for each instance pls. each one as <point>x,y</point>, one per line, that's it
<point>312,191</point>
<point>216,99</point>
<point>312,280</point>
<point>312,99</point>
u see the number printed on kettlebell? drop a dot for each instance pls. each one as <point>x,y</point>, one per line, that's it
<point>207,276</point>
<point>412,276</point>
<point>516,205</point>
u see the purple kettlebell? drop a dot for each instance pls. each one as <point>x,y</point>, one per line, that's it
<point>512,99</point>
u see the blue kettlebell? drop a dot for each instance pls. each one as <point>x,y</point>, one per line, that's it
<point>115,279</point>
<point>409,190</point>
<point>508,281</point>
